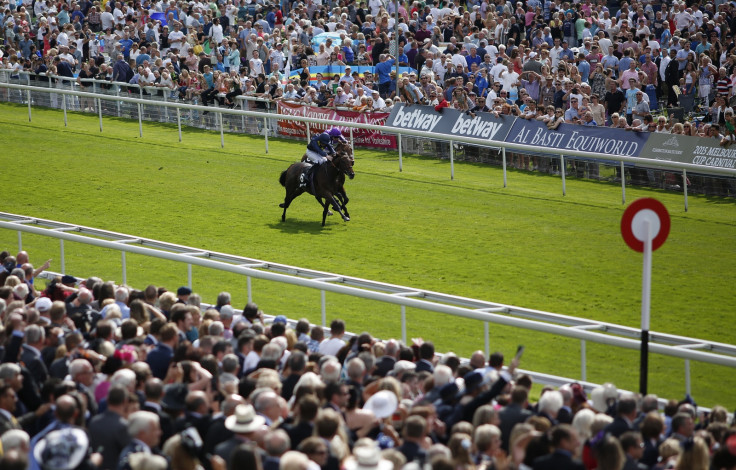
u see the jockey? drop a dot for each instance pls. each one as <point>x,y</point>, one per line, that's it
<point>319,147</point>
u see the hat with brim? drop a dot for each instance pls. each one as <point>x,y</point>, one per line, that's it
<point>62,450</point>
<point>244,420</point>
<point>43,304</point>
<point>175,396</point>
<point>368,457</point>
<point>382,404</point>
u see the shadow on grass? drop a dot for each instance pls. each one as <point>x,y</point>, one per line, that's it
<point>297,226</point>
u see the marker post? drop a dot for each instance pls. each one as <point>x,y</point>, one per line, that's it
<point>644,227</point>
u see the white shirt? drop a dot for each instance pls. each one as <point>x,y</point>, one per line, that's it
<point>331,346</point>
<point>216,33</point>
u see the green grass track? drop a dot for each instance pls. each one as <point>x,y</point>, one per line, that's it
<point>523,245</point>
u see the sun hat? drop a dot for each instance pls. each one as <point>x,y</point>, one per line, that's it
<point>382,404</point>
<point>62,450</point>
<point>244,420</point>
<point>368,457</point>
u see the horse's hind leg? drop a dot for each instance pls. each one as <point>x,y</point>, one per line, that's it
<point>287,202</point>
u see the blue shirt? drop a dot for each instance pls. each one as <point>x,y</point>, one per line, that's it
<point>127,44</point>
<point>584,69</point>
<point>383,70</point>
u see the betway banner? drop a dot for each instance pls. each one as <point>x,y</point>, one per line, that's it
<point>599,140</point>
<point>361,137</point>
<point>687,149</point>
<point>450,122</point>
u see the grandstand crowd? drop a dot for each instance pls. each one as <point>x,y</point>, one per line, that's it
<point>584,62</point>
<point>95,375</point>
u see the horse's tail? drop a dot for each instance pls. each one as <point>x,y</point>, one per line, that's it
<point>282,178</point>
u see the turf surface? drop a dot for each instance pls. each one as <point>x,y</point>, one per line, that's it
<point>524,245</point>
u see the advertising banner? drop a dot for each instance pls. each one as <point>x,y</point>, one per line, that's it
<point>687,149</point>
<point>361,137</point>
<point>450,122</point>
<point>600,140</point>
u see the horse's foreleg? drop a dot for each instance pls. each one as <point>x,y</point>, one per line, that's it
<point>343,196</point>
<point>331,199</point>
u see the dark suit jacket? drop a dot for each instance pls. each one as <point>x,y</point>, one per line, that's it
<point>557,461</point>
<point>108,434</point>
<point>424,364</point>
<point>287,386</point>
<point>510,416</point>
<point>59,368</point>
<point>159,359</point>
<point>200,423</point>
<point>216,434</point>
<point>632,464</point>
<point>618,427</point>
<point>132,448</point>
<point>271,463</point>
<point>413,452</point>
<point>34,363</point>
<point>384,365</point>
<point>167,424</point>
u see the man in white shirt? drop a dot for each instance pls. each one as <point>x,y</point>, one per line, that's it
<point>334,343</point>
<point>106,18</point>
<point>118,14</point>
<point>177,37</point>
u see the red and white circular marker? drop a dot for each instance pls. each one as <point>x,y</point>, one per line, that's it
<point>633,225</point>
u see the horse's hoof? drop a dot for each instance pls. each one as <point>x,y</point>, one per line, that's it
<point>346,219</point>
<point>329,212</point>
<point>281,205</point>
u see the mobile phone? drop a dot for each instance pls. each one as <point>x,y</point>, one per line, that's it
<point>519,351</point>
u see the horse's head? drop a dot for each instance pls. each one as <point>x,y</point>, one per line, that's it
<point>344,162</point>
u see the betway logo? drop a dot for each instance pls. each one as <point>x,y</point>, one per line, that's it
<point>415,119</point>
<point>671,142</point>
<point>475,127</point>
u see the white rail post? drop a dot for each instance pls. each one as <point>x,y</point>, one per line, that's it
<point>352,141</point>
<point>99,111</point>
<point>401,153</point>
<point>562,172</point>
<point>403,324</point>
<point>63,105</point>
<point>222,130</point>
<point>140,120</point>
<point>28,94</point>
<point>250,288</point>
<point>324,307</point>
<point>486,336</point>
<point>178,121</point>
<point>63,259</point>
<point>452,160</point>
<point>503,164</point>
<point>684,186</point>
<point>688,388</point>
<point>117,93</point>
<point>20,240</point>
<point>265,132</point>
<point>189,275</point>
<point>583,361</point>
<point>623,184</point>
<point>309,133</point>
<point>125,268</point>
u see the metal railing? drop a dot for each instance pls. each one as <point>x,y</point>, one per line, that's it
<point>585,330</point>
<point>170,109</point>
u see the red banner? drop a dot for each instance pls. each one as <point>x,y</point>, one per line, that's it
<point>361,137</point>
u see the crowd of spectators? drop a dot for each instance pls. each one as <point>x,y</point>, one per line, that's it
<point>575,62</point>
<point>97,375</point>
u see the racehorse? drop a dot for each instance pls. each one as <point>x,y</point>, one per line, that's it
<point>327,182</point>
